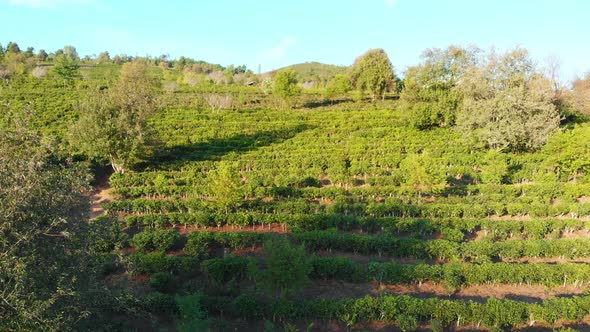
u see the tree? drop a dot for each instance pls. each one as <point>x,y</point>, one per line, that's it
<point>508,104</point>
<point>285,86</point>
<point>287,270</point>
<point>113,124</point>
<point>372,72</point>
<point>581,95</point>
<point>429,92</point>
<point>567,155</point>
<point>225,187</point>
<point>30,52</point>
<point>67,68</point>
<point>422,175</point>
<point>12,48</point>
<point>104,57</point>
<point>42,55</point>
<point>47,272</point>
<point>70,52</point>
<point>338,86</point>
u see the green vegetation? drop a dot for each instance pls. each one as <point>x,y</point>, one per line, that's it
<point>319,74</point>
<point>372,72</point>
<point>114,124</point>
<point>285,87</point>
<point>48,263</point>
<point>240,201</point>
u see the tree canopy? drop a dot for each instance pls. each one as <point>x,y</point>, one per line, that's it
<point>372,72</point>
<point>45,262</point>
<point>508,104</point>
<point>113,124</point>
<point>285,86</point>
<point>429,88</point>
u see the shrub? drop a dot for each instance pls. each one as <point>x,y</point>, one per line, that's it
<point>164,240</point>
<point>143,241</point>
<point>159,303</point>
<point>162,282</point>
<point>246,306</point>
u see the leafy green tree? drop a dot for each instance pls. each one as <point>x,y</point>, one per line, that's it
<point>47,271</point>
<point>287,269</point>
<point>373,72</point>
<point>508,104</point>
<point>30,52</point>
<point>421,174</point>
<point>338,86</point>
<point>225,187</point>
<point>285,86</point>
<point>12,48</point>
<point>42,56</point>
<point>567,154</point>
<point>16,64</point>
<point>429,92</point>
<point>104,57</point>
<point>67,66</point>
<point>113,124</point>
<point>193,316</point>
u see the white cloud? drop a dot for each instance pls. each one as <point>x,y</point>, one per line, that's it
<point>272,56</point>
<point>45,3</point>
<point>279,50</point>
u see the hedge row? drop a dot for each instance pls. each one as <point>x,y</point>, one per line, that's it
<point>389,208</point>
<point>406,312</point>
<point>200,244</point>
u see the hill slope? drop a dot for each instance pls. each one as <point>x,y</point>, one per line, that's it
<point>318,73</point>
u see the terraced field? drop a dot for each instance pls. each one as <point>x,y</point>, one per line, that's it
<point>403,229</point>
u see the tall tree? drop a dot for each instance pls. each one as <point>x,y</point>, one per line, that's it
<point>373,72</point>
<point>42,55</point>
<point>45,266</point>
<point>66,65</point>
<point>12,48</point>
<point>429,92</point>
<point>287,270</point>
<point>114,125</point>
<point>339,85</point>
<point>104,57</point>
<point>225,187</point>
<point>30,52</point>
<point>285,86</point>
<point>508,104</point>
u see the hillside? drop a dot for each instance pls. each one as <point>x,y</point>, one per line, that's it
<point>316,72</point>
<point>342,214</point>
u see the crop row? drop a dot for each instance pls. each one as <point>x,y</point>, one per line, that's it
<point>200,243</point>
<point>406,312</point>
<point>541,196</point>
<point>451,229</point>
<point>389,208</point>
<point>452,275</point>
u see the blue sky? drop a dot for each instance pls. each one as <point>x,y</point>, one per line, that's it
<point>278,33</point>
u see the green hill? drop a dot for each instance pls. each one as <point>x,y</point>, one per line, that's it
<point>318,73</point>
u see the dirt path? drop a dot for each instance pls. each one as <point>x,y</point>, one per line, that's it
<point>99,196</point>
<point>101,193</point>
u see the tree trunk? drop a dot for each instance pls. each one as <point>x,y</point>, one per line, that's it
<point>117,168</point>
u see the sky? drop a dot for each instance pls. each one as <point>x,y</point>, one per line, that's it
<point>277,33</point>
